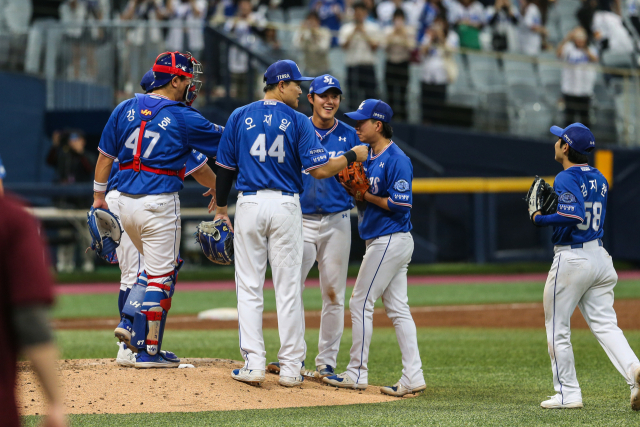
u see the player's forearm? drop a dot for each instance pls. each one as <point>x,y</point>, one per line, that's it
<point>205,177</point>
<point>224,181</point>
<point>555,220</point>
<point>43,358</point>
<point>381,202</point>
<point>332,167</point>
<point>103,168</point>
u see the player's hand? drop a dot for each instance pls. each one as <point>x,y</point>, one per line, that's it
<point>56,417</point>
<point>221,213</point>
<point>99,201</point>
<point>212,203</point>
<point>362,151</point>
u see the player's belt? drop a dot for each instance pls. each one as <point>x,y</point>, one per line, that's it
<point>157,171</point>
<point>581,245</point>
<point>578,245</point>
<point>253,193</point>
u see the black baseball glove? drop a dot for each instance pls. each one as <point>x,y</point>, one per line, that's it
<point>541,197</point>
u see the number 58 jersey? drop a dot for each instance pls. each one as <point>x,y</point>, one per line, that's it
<point>269,142</point>
<point>582,194</point>
<point>172,130</point>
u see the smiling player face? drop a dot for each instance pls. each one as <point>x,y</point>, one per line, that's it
<point>325,105</point>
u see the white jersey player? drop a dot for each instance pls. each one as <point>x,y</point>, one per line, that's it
<point>582,272</point>
<point>326,224</point>
<point>269,143</point>
<point>385,225</point>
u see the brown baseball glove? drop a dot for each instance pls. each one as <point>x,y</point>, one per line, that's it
<point>355,181</point>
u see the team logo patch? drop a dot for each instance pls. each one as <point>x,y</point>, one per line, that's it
<point>567,198</point>
<point>401,186</point>
<point>145,112</point>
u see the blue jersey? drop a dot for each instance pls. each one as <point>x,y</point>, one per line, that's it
<point>582,195</point>
<point>322,196</point>
<point>269,143</point>
<point>3,172</point>
<point>172,131</point>
<point>390,174</point>
<point>194,162</point>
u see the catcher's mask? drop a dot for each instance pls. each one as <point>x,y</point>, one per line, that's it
<point>170,64</point>
<point>216,240</point>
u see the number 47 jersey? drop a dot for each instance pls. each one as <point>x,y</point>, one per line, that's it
<point>582,194</point>
<point>269,142</point>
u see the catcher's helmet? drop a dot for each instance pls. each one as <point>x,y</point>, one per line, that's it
<point>170,64</point>
<point>216,241</point>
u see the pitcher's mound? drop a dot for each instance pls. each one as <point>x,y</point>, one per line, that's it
<point>99,386</point>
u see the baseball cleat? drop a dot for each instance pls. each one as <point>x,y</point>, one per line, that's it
<point>145,360</point>
<point>635,391</point>
<point>249,376</point>
<point>291,381</point>
<point>274,368</point>
<point>399,390</point>
<point>343,380</point>
<point>123,333</point>
<point>324,371</point>
<point>125,356</point>
<point>556,403</point>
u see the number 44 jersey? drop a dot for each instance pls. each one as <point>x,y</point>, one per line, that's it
<point>582,194</point>
<point>171,131</point>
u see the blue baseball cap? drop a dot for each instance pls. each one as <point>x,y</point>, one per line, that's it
<point>372,109</point>
<point>323,83</point>
<point>577,135</point>
<point>282,71</point>
<point>147,80</point>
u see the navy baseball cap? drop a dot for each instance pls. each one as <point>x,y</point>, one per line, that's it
<point>282,71</point>
<point>147,80</point>
<point>372,109</point>
<point>323,83</point>
<point>577,135</point>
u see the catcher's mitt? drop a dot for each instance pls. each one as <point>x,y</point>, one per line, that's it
<point>355,180</point>
<point>541,197</point>
<point>105,233</point>
<point>216,240</point>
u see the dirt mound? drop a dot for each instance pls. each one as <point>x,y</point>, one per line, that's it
<point>99,386</point>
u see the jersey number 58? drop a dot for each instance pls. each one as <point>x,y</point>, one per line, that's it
<point>596,207</point>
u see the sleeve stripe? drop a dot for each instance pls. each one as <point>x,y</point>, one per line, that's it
<point>316,166</point>
<point>400,204</point>
<point>197,167</point>
<point>571,216</point>
<point>106,155</point>
<point>225,166</point>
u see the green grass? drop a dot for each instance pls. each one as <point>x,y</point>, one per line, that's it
<point>191,302</point>
<point>475,377</point>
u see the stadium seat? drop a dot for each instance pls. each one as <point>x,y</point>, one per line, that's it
<point>617,60</point>
<point>520,72</point>
<point>485,74</point>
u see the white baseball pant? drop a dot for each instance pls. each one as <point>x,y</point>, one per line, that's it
<point>130,261</point>
<point>268,226</point>
<point>586,278</point>
<point>327,239</point>
<point>383,273</point>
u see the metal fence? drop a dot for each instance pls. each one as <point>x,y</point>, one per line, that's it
<point>95,67</point>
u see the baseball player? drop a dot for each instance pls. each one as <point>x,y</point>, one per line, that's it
<point>152,135</point>
<point>269,143</point>
<point>384,224</point>
<point>582,272</point>
<point>326,224</point>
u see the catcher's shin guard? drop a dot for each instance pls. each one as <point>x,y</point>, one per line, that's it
<point>128,331</point>
<point>156,305</point>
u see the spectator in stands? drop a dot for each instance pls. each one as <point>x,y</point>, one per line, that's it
<point>437,68</point>
<point>187,19</point>
<point>271,48</point>
<point>531,28</point>
<point>610,33</point>
<point>314,42</point>
<point>470,18</point>
<point>400,40</point>
<point>330,13</point>
<point>633,10</point>
<point>385,12</point>
<point>502,17</point>
<point>429,12</point>
<point>578,77</point>
<point>360,40</point>
<point>75,14</point>
<point>245,27</point>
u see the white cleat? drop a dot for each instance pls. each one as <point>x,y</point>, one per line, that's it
<point>635,391</point>
<point>249,376</point>
<point>343,380</point>
<point>399,390</point>
<point>291,381</point>
<point>556,403</point>
<point>125,357</point>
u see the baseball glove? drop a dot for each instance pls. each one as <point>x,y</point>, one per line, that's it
<point>541,197</point>
<point>106,233</point>
<point>354,178</point>
<point>216,240</point>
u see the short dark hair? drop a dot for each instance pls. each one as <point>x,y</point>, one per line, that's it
<point>313,95</point>
<point>313,14</point>
<point>387,130</point>
<point>360,5</point>
<point>399,13</point>
<point>272,86</point>
<point>574,156</point>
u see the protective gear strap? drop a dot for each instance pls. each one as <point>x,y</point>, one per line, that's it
<point>152,315</point>
<point>136,155</point>
<point>172,69</point>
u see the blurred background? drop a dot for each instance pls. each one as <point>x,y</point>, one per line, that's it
<point>475,86</point>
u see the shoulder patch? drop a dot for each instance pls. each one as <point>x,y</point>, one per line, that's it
<point>567,198</point>
<point>401,186</point>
